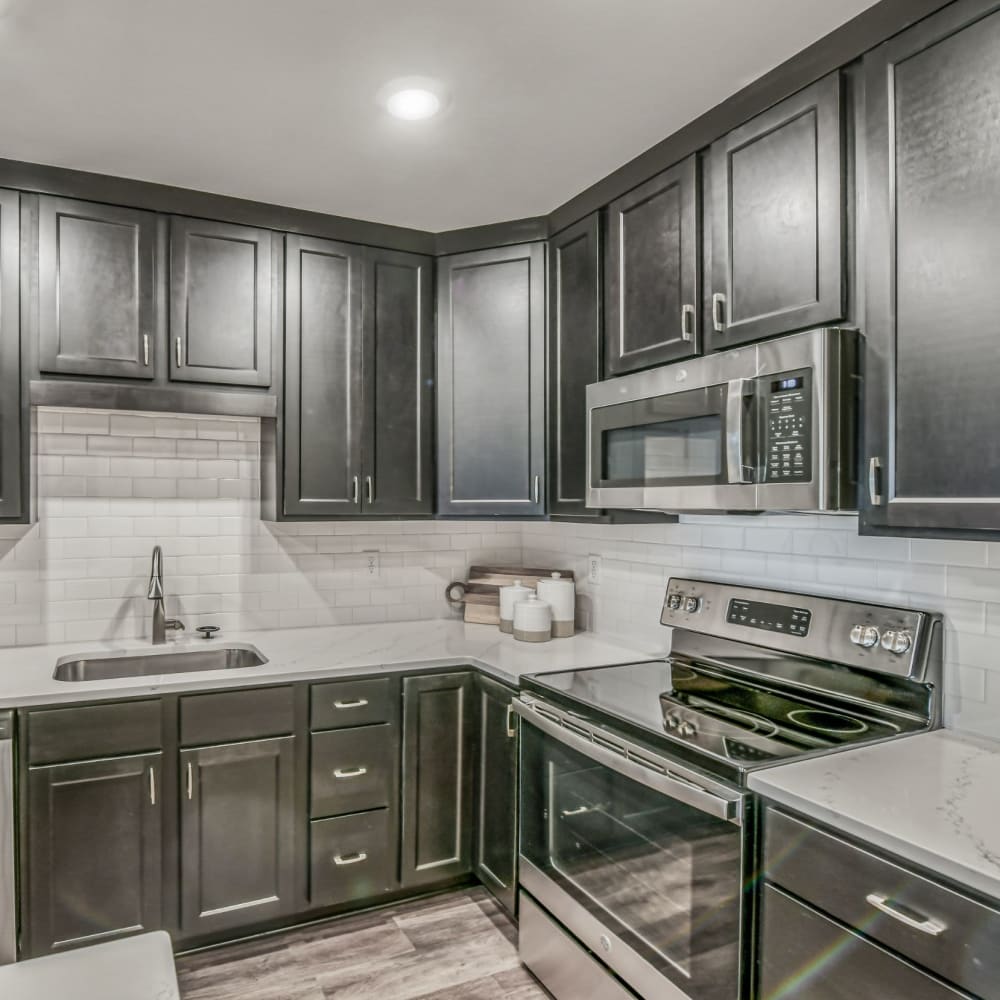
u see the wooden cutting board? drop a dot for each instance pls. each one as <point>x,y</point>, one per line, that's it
<point>482,591</point>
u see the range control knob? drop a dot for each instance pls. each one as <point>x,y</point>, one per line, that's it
<point>692,605</point>
<point>865,636</point>
<point>687,729</point>
<point>674,602</point>
<point>672,720</point>
<point>897,641</point>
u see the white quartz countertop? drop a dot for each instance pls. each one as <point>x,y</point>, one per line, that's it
<point>311,653</point>
<point>931,799</point>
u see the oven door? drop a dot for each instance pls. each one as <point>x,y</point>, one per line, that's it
<point>665,449</point>
<point>643,865</point>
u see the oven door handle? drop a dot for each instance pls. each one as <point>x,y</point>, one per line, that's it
<point>738,471</point>
<point>724,807</point>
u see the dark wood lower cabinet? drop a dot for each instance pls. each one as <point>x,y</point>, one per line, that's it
<point>237,830</point>
<point>94,835</point>
<point>496,821</point>
<point>438,813</point>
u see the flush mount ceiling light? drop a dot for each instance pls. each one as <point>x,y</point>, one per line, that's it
<point>412,98</point>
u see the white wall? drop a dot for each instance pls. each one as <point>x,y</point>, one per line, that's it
<point>823,555</point>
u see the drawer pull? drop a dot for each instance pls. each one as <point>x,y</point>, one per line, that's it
<point>349,859</point>
<point>350,772</point>
<point>924,924</point>
<point>357,703</point>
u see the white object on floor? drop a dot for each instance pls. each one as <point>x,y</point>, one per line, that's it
<point>134,968</point>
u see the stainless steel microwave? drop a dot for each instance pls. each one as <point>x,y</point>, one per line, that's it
<point>766,427</point>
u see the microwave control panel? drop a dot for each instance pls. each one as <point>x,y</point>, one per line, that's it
<point>787,413</point>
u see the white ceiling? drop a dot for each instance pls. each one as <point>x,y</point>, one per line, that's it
<point>275,100</point>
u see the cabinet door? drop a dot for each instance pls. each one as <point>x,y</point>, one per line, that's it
<point>437,778</point>
<point>932,182</point>
<point>99,281</point>
<point>654,262</point>
<point>220,303</point>
<point>238,847</point>
<point>94,851</point>
<point>778,220</point>
<point>491,382</point>
<point>12,480</point>
<point>323,378</point>
<point>496,822</point>
<point>399,384</point>
<point>574,359</point>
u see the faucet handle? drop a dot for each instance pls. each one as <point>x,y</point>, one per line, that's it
<point>207,631</point>
<point>174,625</point>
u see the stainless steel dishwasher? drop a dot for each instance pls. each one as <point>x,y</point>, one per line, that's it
<point>8,905</point>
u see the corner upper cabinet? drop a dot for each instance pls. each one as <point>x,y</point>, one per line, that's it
<point>653,272</point>
<point>932,181</point>
<point>100,277</point>
<point>778,215</point>
<point>13,414</point>
<point>323,402</point>
<point>491,382</point>
<point>574,359</point>
<point>220,303</point>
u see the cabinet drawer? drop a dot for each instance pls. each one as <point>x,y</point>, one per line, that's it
<point>806,956</point>
<point>341,704</point>
<point>352,857</point>
<point>353,770</point>
<point>81,733</point>
<point>233,716</point>
<point>956,936</point>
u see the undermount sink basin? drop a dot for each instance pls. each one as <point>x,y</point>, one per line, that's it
<point>115,665</point>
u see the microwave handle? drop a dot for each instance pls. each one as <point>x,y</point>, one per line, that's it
<point>737,390</point>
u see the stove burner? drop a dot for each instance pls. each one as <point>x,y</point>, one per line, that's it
<point>827,722</point>
<point>679,672</point>
<point>753,725</point>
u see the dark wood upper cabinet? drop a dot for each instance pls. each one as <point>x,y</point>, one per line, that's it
<point>398,453</point>
<point>496,780</point>
<point>100,277</point>
<point>220,303</point>
<point>323,378</point>
<point>653,272</point>
<point>438,811</point>
<point>491,382</point>
<point>574,359</point>
<point>932,183</point>
<point>95,831</point>
<point>12,414</point>
<point>237,830</point>
<point>778,220</point>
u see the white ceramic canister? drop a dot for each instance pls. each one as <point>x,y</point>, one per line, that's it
<point>532,620</point>
<point>560,594</point>
<point>509,596</point>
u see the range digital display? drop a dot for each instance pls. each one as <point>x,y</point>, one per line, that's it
<point>769,617</point>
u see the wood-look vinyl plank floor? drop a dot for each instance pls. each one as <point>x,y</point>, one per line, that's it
<point>458,946</point>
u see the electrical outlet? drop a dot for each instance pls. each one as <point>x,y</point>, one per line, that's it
<point>594,570</point>
<point>372,564</point>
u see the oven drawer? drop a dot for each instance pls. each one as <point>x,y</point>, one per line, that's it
<point>352,770</point>
<point>945,931</point>
<point>806,956</point>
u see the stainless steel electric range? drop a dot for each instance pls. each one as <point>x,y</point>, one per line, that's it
<point>637,839</point>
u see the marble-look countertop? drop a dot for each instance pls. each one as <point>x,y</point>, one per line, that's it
<point>311,653</point>
<point>931,799</point>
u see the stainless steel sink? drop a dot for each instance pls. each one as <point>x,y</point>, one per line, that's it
<point>115,665</point>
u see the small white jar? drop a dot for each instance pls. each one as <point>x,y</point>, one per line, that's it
<point>509,596</point>
<point>560,594</point>
<point>532,620</point>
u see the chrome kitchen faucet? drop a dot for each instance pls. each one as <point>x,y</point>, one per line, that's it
<point>160,621</point>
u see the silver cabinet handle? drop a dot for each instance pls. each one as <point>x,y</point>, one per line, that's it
<point>874,481</point>
<point>537,491</point>
<point>923,924</point>
<point>578,811</point>
<point>370,489</point>
<point>152,787</point>
<point>687,322</point>
<point>355,494</point>
<point>719,312</point>
<point>511,731</point>
<point>357,703</point>
<point>190,781</point>
<point>349,859</point>
<point>145,349</point>
<point>179,351</point>
<point>350,772</point>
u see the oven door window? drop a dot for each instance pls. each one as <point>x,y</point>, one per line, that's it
<point>664,877</point>
<point>674,440</point>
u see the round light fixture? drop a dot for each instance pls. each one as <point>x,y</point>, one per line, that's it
<point>413,104</point>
